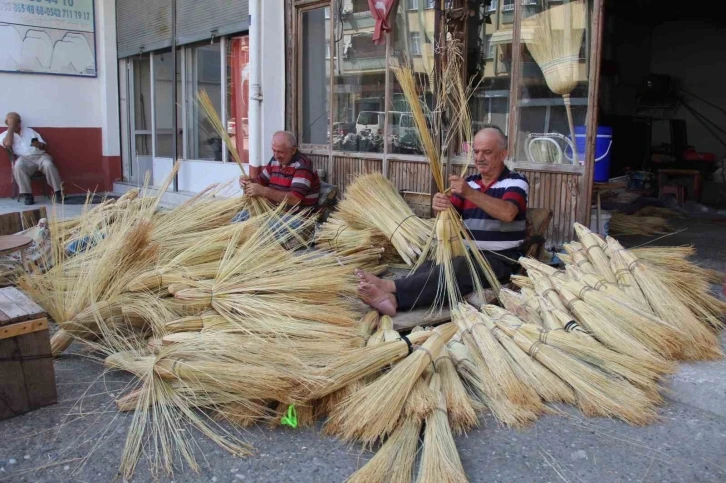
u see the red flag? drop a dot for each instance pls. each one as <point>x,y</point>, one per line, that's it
<point>381,10</point>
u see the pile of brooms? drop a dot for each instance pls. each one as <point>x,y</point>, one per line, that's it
<point>222,328</point>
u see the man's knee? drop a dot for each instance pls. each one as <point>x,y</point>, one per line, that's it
<point>46,162</point>
<point>21,167</point>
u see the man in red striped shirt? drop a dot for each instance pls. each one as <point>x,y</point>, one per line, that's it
<point>288,178</point>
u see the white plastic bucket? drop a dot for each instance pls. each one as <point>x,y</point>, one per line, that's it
<point>604,227</point>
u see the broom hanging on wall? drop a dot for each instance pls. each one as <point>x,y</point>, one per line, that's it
<point>555,45</point>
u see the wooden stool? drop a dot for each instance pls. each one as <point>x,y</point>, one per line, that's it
<point>27,378</point>
<point>664,173</point>
<point>679,191</point>
<point>15,243</point>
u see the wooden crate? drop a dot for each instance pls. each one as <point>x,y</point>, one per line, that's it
<point>27,378</point>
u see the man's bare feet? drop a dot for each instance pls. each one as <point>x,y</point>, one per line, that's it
<point>383,302</point>
<point>384,285</point>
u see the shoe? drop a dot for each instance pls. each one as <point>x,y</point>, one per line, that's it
<point>29,200</point>
<point>58,196</point>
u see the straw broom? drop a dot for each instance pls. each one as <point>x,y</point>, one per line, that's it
<point>605,329</point>
<point>701,344</point>
<point>545,289</point>
<point>461,412</point>
<point>497,359</point>
<point>595,253</point>
<point>622,224</point>
<point>547,385</point>
<point>440,462</point>
<point>597,393</point>
<point>557,35</point>
<point>372,412</point>
<point>481,385</point>
<point>627,281</point>
<point>597,355</point>
<point>514,303</point>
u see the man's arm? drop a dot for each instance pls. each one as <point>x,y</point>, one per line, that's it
<point>8,138</point>
<point>505,210</point>
<point>40,143</point>
<point>276,196</point>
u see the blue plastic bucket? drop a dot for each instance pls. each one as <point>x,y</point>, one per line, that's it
<point>603,143</point>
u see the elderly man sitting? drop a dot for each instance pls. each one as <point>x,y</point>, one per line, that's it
<point>493,206</point>
<point>288,178</point>
<point>30,148</point>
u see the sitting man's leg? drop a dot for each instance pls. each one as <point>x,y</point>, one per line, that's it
<point>47,167</point>
<point>23,170</point>
<point>421,289</point>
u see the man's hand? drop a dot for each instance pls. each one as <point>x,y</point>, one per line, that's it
<point>440,203</point>
<point>244,180</point>
<point>36,144</point>
<point>459,186</point>
<point>12,123</point>
<point>255,189</point>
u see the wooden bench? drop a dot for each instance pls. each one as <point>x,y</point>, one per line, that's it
<point>27,378</point>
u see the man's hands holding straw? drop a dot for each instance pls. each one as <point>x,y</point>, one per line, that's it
<point>250,187</point>
<point>459,186</point>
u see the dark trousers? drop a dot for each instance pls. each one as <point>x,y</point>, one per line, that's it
<point>419,289</point>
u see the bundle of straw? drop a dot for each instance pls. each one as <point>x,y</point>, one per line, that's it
<point>622,224</point>
<point>372,202</point>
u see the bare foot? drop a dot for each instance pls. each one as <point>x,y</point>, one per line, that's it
<point>384,285</point>
<point>383,302</point>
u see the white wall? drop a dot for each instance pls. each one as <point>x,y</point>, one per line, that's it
<point>194,176</point>
<point>273,73</point>
<point>694,54</point>
<point>60,101</point>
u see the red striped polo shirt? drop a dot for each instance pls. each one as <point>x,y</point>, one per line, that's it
<point>297,178</point>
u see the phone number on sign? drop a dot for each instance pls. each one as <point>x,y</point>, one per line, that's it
<point>45,11</point>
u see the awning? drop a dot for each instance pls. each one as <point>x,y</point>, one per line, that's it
<point>505,36</point>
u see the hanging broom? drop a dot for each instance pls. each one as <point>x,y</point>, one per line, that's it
<point>555,43</point>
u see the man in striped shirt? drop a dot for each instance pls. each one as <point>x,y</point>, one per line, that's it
<point>288,178</point>
<point>493,205</point>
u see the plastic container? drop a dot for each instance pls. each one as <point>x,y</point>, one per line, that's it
<point>604,227</point>
<point>603,143</point>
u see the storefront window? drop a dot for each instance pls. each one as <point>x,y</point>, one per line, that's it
<point>164,105</point>
<point>554,87</point>
<point>315,78</point>
<point>204,71</point>
<point>413,46</point>
<point>142,104</point>
<point>489,67</point>
<point>359,83</point>
<point>238,82</point>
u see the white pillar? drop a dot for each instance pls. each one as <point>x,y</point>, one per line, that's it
<point>255,100</point>
<point>107,68</point>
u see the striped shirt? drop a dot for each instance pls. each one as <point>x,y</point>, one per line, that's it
<point>297,178</point>
<point>488,232</point>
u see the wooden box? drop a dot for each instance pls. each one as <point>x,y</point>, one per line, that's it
<point>27,378</point>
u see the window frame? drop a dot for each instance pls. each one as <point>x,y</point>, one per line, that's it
<point>493,7</point>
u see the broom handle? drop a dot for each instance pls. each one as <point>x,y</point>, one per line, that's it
<point>568,107</point>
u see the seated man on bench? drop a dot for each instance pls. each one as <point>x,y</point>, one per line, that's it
<point>30,149</point>
<point>493,206</point>
<point>288,178</point>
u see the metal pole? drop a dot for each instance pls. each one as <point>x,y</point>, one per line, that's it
<point>174,126</point>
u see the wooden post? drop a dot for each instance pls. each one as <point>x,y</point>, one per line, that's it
<point>592,111</point>
<point>515,79</point>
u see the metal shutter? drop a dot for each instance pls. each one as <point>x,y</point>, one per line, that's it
<point>143,25</point>
<point>202,19</point>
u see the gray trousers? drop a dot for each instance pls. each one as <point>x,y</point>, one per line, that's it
<point>26,166</point>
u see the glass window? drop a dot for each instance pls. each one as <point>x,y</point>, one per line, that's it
<point>359,84</point>
<point>315,75</point>
<point>164,105</point>
<point>413,45</point>
<point>142,104</point>
<point>554,86</point>
<point>507,5</point>
<point>204,71</point>
<point>238,84</point>
<point>493,5</point>
<point>489,104</point>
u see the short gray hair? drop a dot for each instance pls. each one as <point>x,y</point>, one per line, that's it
<point>289,137</point>
<point>502,137</point>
